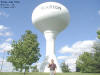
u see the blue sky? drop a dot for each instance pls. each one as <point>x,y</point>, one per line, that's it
<point>85,21</point>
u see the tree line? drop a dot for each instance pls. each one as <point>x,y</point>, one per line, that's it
<point>90,62</point>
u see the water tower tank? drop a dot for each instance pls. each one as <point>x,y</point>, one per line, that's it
<point>50,16</point>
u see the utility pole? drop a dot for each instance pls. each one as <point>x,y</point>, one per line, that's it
<point>2,61</point>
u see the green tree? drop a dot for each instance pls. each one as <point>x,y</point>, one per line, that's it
<point>85,62</point>
<point>90,62</point>
<point>98,34</point>
<point>96,47</point>
<point>64,67</point>
<point>34,68</point>
<point>24,52</point>
<point>77,68</point>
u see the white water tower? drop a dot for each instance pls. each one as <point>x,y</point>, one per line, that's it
<point>50,18</point>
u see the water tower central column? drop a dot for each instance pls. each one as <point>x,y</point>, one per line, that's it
<point>50,49</point>
<point>50,43</point>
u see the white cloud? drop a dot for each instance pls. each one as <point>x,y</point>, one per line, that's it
<point>8,34</point>
<point>66,49</point>
<point>2,27</point>
<point>9,40</point>
<point>78,47</point>
<point>4,31</point>
<point>3,14</point>
<point>76,50</point>
<point>63,57</point>
<point>99,12</point>
<point>1,59</point>
<point>5,47</point>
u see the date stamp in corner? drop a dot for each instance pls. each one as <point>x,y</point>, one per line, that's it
<point>9,3</point>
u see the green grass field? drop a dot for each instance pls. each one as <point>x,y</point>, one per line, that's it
<point>39,73</point>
